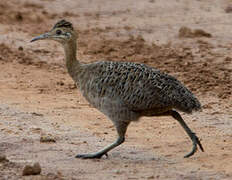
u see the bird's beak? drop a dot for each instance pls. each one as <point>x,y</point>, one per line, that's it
<point>40,37</point>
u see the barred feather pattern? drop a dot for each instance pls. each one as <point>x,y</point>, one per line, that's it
<point>132,90</point>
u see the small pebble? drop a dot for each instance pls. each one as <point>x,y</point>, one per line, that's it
<point>20,48</point>
<point>19,16</point>
<point>3,158</point>
<point>228,9</point>
<point>37,114</point>
<point>47,138</point>
<point>32,170</point>
<point>61,83</point>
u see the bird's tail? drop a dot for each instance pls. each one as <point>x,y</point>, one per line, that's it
<point>188,103</point>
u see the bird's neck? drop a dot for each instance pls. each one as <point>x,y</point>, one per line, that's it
<point>72,64</point>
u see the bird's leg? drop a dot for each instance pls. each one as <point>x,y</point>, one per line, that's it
<point>102,152</point>
<point>191,134</point>
<point>121,129</point>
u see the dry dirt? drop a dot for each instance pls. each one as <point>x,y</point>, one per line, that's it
<point>191,40</point>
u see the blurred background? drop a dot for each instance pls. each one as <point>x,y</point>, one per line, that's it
<point>190,40</point>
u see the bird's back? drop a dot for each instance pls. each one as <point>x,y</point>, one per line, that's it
<point>136,86</point>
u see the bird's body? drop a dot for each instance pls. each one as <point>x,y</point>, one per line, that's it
<point>133,90</point>
<point>125,91</point>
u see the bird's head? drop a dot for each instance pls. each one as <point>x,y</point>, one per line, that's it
<point>62,32</point>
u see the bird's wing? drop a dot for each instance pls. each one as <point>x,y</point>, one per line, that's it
<point>137,86</point>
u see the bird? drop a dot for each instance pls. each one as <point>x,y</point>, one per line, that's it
<point>124,91</point>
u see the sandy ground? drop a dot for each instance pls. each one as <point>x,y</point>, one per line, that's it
<point>190,40</point>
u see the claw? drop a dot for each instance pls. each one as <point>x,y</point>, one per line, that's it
<point>199,144</point>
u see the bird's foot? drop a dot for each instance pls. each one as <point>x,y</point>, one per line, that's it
<point>196,142</point>
<point>91,156</point>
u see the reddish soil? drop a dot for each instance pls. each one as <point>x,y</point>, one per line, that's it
<point>189,40</point>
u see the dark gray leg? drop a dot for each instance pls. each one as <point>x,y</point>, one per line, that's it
<point>121,129</point>
<point>191,134</point>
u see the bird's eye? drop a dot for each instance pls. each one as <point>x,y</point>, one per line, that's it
<point>58,32</point>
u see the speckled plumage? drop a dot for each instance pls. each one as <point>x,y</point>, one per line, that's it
<point>136,87</point>
<point>125,91</point>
